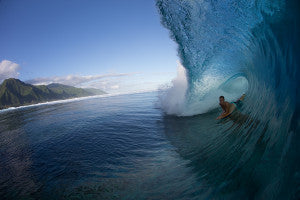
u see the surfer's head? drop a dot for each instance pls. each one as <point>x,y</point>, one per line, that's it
<point>221,99</point>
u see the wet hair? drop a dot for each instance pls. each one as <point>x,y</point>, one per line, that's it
<point>221,97</point>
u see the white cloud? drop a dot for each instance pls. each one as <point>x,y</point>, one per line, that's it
<point>8,69</point>
<point>111,83</point>
<point>115,87</point>
<point>74,80</point>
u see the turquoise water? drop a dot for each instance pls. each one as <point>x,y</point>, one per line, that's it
<point>125,147</point>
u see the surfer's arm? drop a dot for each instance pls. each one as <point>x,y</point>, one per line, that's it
<point>241,98</point>
<point>222,115</point>
<point>225,111</point>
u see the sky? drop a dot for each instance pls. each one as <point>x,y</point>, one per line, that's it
<point>115,45</point>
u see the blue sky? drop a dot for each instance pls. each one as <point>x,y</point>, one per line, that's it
<point>119,42</point>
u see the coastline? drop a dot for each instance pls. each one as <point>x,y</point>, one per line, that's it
<point>11,108</point>
<point>50,102</point>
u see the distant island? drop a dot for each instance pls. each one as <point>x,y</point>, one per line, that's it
<point>14,93</point>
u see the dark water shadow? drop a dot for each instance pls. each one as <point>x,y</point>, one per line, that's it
<point>16,176</point>
<point>223,154</point>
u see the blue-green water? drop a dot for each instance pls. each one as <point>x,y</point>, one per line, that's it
<point>125,147</point>
<point>137,147</point>
<point>104,147</point>
<point>229,48</point>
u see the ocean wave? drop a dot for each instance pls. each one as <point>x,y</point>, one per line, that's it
<point>233,47</point>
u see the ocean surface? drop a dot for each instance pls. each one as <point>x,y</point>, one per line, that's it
<point>168,144</point>
<point>126,147</point>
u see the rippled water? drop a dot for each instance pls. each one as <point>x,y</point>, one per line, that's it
<point>124,147</point>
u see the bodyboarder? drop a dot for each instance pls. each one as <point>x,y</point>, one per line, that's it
<point>227,107</point>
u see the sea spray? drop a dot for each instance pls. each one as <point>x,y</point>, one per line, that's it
<point>172,97</point>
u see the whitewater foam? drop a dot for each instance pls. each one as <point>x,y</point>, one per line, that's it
<point>172,97</point>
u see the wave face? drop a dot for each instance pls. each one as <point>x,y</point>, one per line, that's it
<point>233,47</point>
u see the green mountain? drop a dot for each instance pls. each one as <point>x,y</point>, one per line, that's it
<point>14,92</point>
